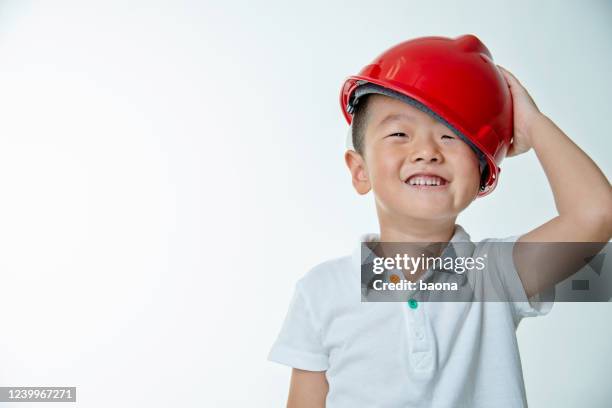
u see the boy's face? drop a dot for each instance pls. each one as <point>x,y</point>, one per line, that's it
<point>401,142</point>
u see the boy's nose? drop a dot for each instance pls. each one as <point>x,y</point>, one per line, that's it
<point>425,151</point>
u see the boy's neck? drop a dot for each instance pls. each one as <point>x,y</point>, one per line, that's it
<point>416,230</point>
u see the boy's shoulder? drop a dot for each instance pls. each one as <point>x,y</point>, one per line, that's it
<point>332,279</point>
<point>337,268</point>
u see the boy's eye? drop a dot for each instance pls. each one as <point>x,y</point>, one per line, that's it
<point>400,134</point>
<point>447,136</point>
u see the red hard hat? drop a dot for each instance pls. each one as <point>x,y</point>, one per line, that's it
<point>455,81</point>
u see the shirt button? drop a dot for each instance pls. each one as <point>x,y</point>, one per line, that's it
<point>419,335</point>
<point>413,303</point>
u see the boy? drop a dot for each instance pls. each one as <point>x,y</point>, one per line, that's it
<point>431,119</point>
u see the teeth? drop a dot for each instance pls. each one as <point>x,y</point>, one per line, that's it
<point>425,181</point>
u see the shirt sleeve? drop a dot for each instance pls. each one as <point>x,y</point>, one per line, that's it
<point>299,342</point>
<point>537,305</point>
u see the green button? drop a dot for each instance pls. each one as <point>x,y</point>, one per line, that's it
<point>413,303</point>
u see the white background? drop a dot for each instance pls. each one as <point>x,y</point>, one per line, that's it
<point>168,170</point>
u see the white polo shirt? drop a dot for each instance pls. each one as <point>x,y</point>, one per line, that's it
<point>387,354</point>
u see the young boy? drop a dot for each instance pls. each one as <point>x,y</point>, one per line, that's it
<point>432,118</point>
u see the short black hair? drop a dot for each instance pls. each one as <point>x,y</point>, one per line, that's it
<point>360,123</point>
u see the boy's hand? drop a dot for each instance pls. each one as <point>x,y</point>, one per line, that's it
<point>582,193</point>
<point>525,114</point>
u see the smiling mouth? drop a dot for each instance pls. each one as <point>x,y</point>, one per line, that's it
<point>426,181</point>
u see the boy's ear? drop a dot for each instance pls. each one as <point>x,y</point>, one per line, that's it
<point>359,172</point>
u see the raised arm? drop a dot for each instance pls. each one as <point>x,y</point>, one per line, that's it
<point>582,193</point>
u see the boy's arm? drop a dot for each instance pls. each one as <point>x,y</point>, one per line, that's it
<point>308,389</point>
<point>582,193</point>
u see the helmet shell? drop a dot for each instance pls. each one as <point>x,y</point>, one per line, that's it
<point>456,79</point>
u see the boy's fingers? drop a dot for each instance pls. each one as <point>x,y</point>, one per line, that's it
<point>512,77</point>
<point>513,82</point>
<point>506,76</point>
<point>506,71</point>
